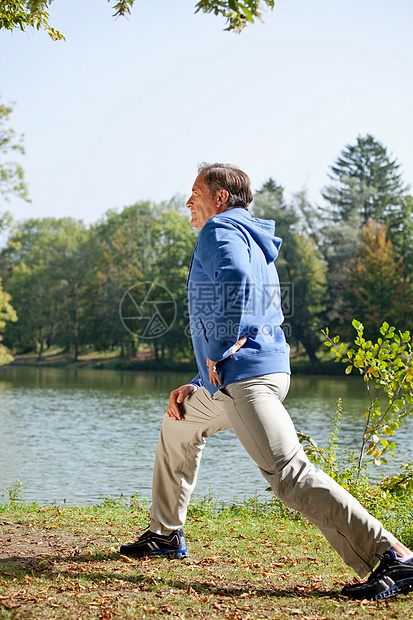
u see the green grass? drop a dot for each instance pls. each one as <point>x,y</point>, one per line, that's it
<point>248,561</point>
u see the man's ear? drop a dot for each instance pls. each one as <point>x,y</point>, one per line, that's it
<point>222,196</point>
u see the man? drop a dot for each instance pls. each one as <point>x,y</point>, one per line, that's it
<point>244,372</point>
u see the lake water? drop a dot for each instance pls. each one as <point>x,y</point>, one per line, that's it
<point>80,435</point>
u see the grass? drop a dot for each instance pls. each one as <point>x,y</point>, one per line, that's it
<point>248,561</point>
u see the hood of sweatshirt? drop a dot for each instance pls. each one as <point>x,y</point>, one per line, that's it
<point>262,231</point>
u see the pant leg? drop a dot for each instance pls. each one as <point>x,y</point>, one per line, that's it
<point>266,431</point>
<point>178,457</point>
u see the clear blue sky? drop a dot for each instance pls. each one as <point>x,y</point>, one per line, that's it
<point>125,109</point>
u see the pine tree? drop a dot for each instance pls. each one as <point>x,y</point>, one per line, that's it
<point>366,180</point>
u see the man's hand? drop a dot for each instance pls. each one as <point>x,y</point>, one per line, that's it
<point>214,377</point>
<point>176,397</point>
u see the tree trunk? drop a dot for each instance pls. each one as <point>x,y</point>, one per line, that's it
<point>41,343</point>
<point>310,350</point>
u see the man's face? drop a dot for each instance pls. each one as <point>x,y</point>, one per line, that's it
<point>203,206</point>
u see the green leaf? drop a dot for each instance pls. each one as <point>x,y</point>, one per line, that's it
<point>384,328</point>
<point>247,13</point>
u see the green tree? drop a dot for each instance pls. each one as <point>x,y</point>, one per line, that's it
<point>27,13</point>
<point>11,173</point>
<point>366,180</point>
<point>7,314</point>
<point>237,14</point>
<point>377,286</point>
<point>34,13</point>
<point>175,241</point>
<point>70,265</point>
<point>400,232</point>
<point>339,244</point>
<point>46,273</point>
<point>301,270</point>
<point>33,297</point>
<point>366,185</point>
<point>122,253</point>
<point>143,243</point>
<point>11,182</point>
<point>68,281</point>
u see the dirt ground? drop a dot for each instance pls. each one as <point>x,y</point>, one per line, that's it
<point>24,546</point>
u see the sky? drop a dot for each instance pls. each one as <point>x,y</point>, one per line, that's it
<point>126,109</point>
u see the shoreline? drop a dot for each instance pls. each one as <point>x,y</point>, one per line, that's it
<point>298,367</point>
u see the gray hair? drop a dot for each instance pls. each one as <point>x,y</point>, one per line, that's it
<point>229,177</point>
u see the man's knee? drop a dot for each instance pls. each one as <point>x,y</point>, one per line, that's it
<point>292,476</point>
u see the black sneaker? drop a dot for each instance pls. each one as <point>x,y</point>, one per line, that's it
<point>155,544</point>
<point>390,578</point>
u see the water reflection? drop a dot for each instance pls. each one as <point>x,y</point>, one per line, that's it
<point>78,435</point>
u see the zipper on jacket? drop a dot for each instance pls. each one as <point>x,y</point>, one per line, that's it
<point>203,327</point>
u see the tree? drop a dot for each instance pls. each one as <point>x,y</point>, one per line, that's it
<point>11,174</point>
<point>301,271</point>
<point>339,244</point>
<point>365,180</point>
<point>46,272</point>
<point>72,268</point>
<point>236,13</point>
<point>34,13</point>
<point>122,252</point>
<point>11,182</point>
<point>143,243</point>
<point>366,186</point>
<point>7,313</point>
<point>377,286</point>
<point>24,13</point>
<point>68,282</point>
<point>400,232</point>
<point>175,241</point>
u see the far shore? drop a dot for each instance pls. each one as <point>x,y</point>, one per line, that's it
<point>144,361</point>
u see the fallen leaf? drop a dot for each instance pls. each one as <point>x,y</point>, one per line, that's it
<point>125,558</point>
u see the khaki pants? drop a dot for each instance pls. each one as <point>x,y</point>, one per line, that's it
<point>254,409</point>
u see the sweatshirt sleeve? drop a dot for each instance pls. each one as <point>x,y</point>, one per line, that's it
<point>197,381</point>
<point>225,254</point>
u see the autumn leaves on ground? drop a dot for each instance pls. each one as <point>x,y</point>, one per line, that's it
<point>62,562</point>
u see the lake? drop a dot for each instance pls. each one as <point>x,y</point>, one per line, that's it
<point>77,436</point>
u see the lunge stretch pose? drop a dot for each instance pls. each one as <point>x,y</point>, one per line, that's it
<point>244,374</point>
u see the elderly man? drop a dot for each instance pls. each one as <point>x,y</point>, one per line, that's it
<point>244,374</point>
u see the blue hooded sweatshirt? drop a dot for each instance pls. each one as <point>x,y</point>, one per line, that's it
<point>234,291</point>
